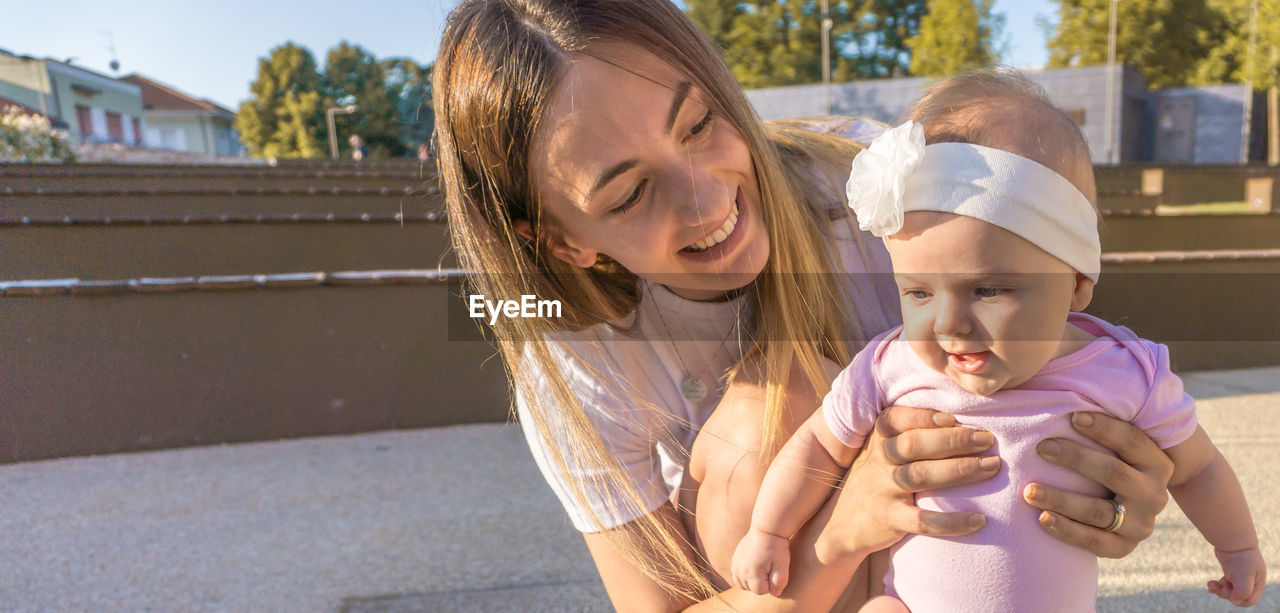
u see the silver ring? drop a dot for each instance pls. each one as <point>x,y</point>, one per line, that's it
<point>1119,519</point>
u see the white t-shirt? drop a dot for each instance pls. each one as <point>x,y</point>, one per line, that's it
<point>634,396</point>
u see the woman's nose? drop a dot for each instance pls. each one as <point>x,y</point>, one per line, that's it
<point>952,318</point>
<point>698,197</point>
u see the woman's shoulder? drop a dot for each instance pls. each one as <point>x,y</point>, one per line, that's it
<point>584,357</point>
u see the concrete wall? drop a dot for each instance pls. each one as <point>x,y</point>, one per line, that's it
<point>1219,112</point>
<point>89,375</point>
<point>1078,90</point>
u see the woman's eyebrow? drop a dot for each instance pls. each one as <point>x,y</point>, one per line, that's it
<point>610,175</point>
<point>682,92</point>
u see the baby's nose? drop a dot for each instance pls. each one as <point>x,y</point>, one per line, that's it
<point>952,318</point>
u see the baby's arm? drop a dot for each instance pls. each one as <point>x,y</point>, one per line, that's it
<point>1207,490</point>
<point>800,478</point>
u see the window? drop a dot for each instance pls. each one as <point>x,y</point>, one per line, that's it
<point>84,121</point>
<point>115,127</point>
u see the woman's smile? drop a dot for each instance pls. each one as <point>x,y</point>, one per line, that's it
<point>723,240</point>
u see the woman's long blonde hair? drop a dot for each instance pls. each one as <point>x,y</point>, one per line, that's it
<point>499,64</point>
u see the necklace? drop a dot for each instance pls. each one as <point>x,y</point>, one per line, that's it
<point>693,388</point>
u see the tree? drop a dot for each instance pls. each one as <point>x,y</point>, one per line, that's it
<point>878,33</point>
<point>285,116</point>
<point>956,36</point>
<point>411,86</point>
<point>778,42</point>
<point>353,75</point>
<point>715,17</point>
<point>774,42</point>
<point>1228,57</point>
<point>1164,39</point>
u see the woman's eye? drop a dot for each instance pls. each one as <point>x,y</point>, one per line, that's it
<point>988,292</point>
<point>631,200</point>
<point>699,128</point>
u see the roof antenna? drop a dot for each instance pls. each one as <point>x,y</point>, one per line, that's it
<point>111,46</point>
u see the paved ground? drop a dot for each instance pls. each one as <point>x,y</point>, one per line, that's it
<point>444,519</point>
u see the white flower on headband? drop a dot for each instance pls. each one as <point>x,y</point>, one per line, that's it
<point>878,180</point>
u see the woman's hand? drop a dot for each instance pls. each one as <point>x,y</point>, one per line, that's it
<point>909,451</point>
<point>1139,478</point>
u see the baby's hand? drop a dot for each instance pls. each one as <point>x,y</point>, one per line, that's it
<point>760,563</point>
<point>1244,574</point>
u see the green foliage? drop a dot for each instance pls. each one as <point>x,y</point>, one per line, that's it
<point>352,74</point>
<point>715,18</point>
<point>1165,39</point>
<point>775,43</point>
<point>1228,57</point>
<point>411,85</point>
<point>29,138</point>
<point>880,31</point>
<point>956,36</point>
<point>779,42</point>
<point>285,117</point>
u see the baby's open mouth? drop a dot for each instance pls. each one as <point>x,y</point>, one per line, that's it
<point>718,236</point>
<point>968,363</point>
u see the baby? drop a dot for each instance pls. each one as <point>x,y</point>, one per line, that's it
<point>995,249</point>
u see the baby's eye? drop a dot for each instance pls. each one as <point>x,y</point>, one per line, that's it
<point>918,295</point>
<point>988,292</point>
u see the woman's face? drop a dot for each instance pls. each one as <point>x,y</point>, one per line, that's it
<point>632,163</point>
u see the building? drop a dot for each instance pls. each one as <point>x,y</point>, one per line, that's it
<point>95,108</point>
<point>178,121</point>
<point>1200,125</point>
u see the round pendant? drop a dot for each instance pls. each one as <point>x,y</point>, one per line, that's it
<point>693,389</point>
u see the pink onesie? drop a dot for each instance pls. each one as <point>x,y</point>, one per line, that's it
<point>1011,564</point>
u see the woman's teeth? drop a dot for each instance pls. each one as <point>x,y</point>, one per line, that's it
<point>719,235</point>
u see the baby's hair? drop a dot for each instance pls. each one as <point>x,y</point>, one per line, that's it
<point>1005,110</point>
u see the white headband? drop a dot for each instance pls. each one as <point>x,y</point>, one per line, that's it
<point>898,173</point>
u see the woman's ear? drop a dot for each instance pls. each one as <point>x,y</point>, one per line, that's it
<point>1083,294</point>
<point>560,246</point>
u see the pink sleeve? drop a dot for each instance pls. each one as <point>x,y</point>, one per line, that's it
<point>851,407</point>
<point>1168,415</point>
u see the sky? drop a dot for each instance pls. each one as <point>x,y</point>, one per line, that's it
<point>211,50</point>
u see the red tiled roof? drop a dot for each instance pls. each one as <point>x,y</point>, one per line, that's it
<point>160,97</point>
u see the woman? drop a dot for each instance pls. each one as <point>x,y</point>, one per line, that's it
<point>597,152</point>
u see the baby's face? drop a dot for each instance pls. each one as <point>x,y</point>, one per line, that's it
<point>981,304</point>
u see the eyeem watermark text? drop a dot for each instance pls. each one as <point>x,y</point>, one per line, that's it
<point>527,306</point>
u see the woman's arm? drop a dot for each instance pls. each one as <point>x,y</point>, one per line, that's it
<point>1139,478</point>
<point>910,450</point>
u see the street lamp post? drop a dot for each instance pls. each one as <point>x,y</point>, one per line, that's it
<point>333,137</point>
<point>1110,138</point>
<point>1246,118</point>
<point>826,56</point>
